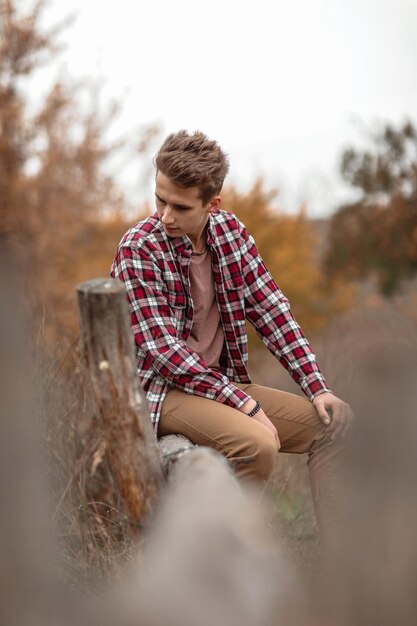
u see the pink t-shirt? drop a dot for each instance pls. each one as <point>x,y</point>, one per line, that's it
<point>206,336</point>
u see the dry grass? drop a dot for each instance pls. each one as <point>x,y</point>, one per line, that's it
<point>94,533</point>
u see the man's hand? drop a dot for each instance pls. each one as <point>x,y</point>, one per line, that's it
<point>261,417</point>
<point>334,412</point>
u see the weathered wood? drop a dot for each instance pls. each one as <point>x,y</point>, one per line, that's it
<point>108,349</point>
<point>173,447</point>
<point>210,557</point>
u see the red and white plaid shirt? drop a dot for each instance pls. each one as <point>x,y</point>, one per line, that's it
<point>155,269</point>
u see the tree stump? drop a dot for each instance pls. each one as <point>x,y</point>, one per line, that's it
<point>107,347</point>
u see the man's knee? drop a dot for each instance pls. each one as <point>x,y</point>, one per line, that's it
<point>257,458</point>
<point>266,458</point>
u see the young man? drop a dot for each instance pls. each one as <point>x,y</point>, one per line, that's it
<point>193,277</point>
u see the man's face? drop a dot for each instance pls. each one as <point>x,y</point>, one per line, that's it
<point>180,210</point>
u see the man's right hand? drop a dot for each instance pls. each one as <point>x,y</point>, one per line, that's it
<point>261,417</point>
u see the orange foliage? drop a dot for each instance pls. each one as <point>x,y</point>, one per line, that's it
<point>58,202</point>
<point>288,245</point>
<point>377,235</point>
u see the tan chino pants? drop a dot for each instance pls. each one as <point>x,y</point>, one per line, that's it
<point>251,447</point>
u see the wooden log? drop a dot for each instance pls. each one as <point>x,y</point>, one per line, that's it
<point>107,346</point>
<point>211,558</point>
<point>173,447</point>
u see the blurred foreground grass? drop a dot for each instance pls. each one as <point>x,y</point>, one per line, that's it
<point>290,504</point>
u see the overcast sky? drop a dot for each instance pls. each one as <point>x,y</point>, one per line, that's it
<point>283,86</point>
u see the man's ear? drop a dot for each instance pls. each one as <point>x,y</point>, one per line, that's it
<point>214,204</point>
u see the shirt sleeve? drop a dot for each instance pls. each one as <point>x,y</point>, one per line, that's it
<point>153,321</point>
<point>268,311</point>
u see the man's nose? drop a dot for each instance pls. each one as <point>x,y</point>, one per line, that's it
<point>167,217</point>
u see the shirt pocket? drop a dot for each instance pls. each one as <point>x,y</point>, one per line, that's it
<point>178,304</point>
<point>232,284</point>
<point>232,298</point>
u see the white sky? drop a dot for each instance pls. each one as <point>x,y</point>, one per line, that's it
<point>282,86</point>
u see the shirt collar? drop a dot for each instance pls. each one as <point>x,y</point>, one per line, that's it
<point>211,232</point>
<point>183,244</point>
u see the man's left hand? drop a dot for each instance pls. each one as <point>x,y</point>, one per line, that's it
<point>335,413</point>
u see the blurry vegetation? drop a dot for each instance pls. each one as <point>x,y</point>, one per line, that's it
<point>288,244</point>
<point>63,210</point>
<point>377,235</point>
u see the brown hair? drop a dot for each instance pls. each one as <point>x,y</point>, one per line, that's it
<point>193,161</point>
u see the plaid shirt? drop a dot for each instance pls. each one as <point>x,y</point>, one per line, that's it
<point>155,269</point>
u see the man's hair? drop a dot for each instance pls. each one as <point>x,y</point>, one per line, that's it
<point>193,161</point>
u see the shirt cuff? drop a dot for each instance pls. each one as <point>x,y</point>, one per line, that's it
<point>314,384</point>
<point>232,396</point>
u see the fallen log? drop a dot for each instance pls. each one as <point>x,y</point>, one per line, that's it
<point>173,448</point>
<point>211,558</point>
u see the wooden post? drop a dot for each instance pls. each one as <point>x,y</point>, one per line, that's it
<point>108,349</point>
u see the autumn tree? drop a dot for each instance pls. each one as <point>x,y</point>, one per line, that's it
<point>288,244</point>
<point>57,198</point>
<point>377,234</point>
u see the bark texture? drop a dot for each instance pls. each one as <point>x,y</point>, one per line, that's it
<point>107,346</point>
